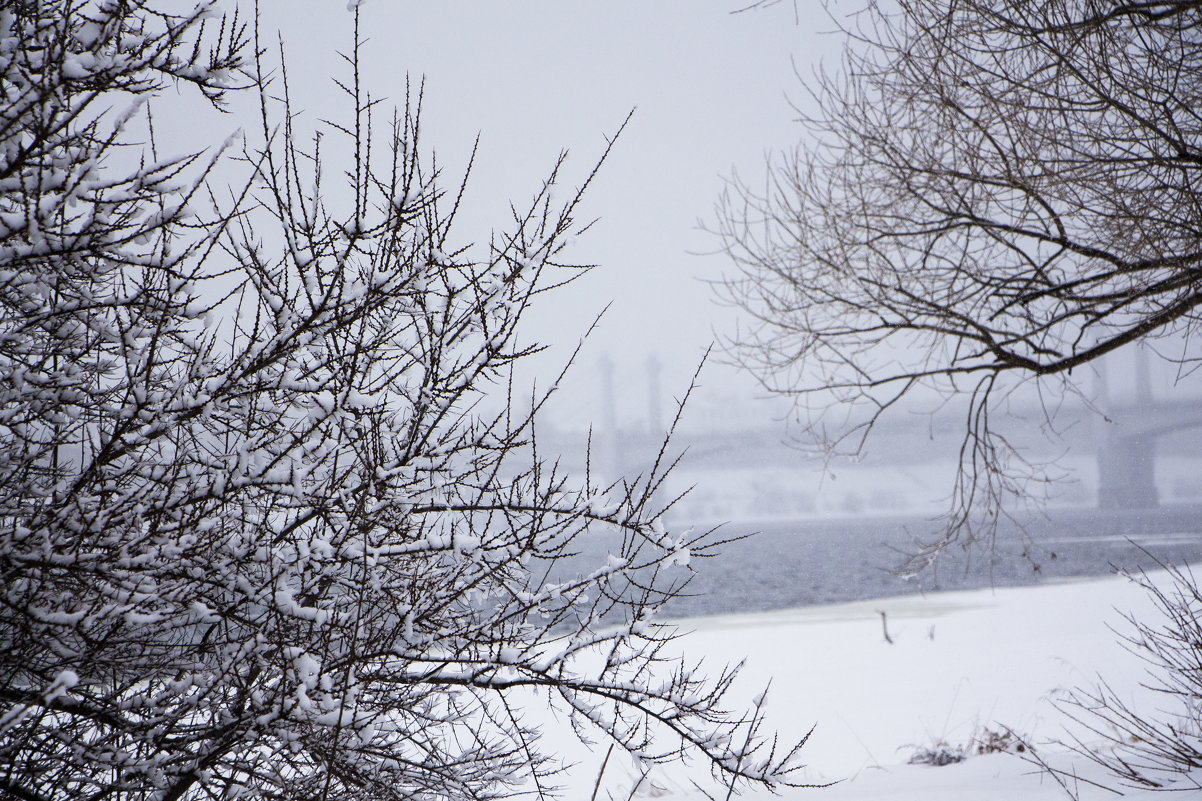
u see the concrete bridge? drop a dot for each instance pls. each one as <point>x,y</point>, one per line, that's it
<point>1125,430</point>
<point>1126,452</point>
<point>1131,433</point>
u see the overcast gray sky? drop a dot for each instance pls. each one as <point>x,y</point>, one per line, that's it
<point>710,90</point>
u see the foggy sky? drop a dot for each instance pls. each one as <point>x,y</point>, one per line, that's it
<point>710,91</point>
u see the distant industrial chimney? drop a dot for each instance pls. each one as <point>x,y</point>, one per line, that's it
<point>609,403</point>
<point>611,456</point>
<point>655,417</point>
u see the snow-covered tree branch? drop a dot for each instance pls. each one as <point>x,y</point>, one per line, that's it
<point>264,530</point>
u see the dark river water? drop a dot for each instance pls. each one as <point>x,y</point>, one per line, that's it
<point>803,563</point>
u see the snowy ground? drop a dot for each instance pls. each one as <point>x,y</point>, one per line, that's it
<point>960,663</point>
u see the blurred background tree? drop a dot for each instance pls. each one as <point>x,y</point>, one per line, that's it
<point>989,196</point>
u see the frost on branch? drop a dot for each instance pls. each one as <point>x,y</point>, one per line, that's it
<point>259,536</point>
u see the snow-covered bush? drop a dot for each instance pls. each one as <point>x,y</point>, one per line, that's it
<point>259,536</point>
<point>985,740</point>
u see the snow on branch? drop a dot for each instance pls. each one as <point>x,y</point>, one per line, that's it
<point>260,536</point>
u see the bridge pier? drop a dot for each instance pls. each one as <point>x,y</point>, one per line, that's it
<point>1127,473</point>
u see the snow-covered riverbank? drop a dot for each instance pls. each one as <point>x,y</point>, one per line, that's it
<point>960,665</point>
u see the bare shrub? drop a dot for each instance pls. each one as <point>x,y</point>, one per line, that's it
<point>1159,748</point>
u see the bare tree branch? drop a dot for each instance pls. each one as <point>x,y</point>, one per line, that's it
<point>991,194</point>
